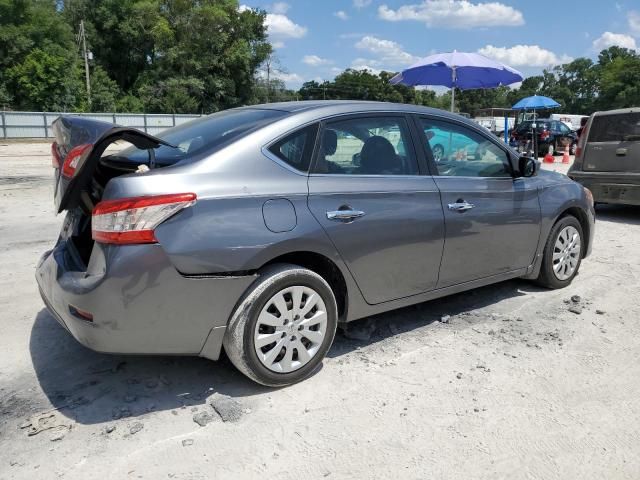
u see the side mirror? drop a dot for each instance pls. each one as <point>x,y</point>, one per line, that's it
<point>527,166</point>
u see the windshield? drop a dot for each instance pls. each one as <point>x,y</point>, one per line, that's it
<point>202,134</point>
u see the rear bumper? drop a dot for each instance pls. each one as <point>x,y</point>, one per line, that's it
<point>623,189</point>
<point>139,302</point>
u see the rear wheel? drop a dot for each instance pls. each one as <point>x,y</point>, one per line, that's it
<point>283,327</point>
<point>562,253</point>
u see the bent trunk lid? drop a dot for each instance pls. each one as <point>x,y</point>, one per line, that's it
<point>88,139</point>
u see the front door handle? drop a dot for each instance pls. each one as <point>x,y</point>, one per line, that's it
<point>621,152</point>
<point>344,215</point>
<point>460,206</point>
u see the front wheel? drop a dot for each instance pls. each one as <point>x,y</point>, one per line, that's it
<point>283,327</point>
<point>562,253</point>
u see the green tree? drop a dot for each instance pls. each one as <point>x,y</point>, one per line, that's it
<point>38,61</point>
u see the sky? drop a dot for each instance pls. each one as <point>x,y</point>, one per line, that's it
<point>317,39</point>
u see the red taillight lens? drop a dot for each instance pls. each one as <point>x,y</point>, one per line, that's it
<point>55,156</point>
<point>133,220</point>
<point>544,134</point>
<point>73,158</point>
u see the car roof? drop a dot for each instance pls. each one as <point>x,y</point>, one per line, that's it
<point>325,108</point>
<point>619,111</point>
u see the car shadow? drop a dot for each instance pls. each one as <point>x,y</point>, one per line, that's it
<point>628,214</point>
<point>91,387</point>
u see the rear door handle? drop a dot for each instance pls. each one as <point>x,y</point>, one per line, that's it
<point>344,215</point>
<point>621,152</point>
<point>460,206</point>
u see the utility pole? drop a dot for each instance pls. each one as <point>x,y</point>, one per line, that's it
<point>85,54</point>
<point>268,77</point>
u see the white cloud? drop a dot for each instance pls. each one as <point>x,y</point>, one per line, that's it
<point>341,14</point>
<point>243,8</point>
<point>633,18</point>
<point>608,39</point>
<point>455,14</point>
<point>524,55</point>
<point>364,64</point>
<point>361,3</point>
<point>279,25</point>
<point>277,44</point>
<point>280,7</point>
<point>388,53</point>
<point>289,78</point>
<point>315,61</point>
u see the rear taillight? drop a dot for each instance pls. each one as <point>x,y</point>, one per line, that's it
<point>544,134</point>
<point>73,158</point>
<point>55,156</point>
<point>133,220</point>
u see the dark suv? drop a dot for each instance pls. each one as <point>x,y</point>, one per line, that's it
<point>551,133</point>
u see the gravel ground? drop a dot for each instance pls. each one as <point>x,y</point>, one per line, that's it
<point>507,381</point>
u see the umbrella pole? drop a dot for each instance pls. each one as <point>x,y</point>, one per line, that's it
<point>453,88</point>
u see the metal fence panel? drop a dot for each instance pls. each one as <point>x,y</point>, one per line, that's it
<point>38,124</point>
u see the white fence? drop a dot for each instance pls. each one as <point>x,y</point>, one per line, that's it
<point>38,124</point>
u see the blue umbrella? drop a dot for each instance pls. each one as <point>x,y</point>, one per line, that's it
<point>534,102</point>
<point>458,70</point>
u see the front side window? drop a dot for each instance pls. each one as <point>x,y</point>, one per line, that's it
<point>296,149</point>
<point>367,146</point>
<point>461,152</point>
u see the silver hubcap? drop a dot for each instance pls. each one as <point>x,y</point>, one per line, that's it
<point>290,329</point>
<point>566,253</point>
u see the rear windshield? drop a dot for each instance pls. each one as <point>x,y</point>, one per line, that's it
<point>615,128</point>
<point>202,134</point>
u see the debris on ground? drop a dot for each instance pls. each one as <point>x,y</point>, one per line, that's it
<point>600,312</point>
<point>38,423</point>
<point>203,418</point>
<point>577,309</point>
<point>135,428</point>
<point>109,428</point>
<point>576,298</point>
<point>230,410</point>
<point>187,442</point>
<point>445,319</point>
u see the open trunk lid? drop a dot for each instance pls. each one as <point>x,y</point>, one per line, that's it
<point>79,144</point>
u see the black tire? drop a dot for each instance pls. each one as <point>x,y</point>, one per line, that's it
<point>547,277</point>
<point>239,339</point>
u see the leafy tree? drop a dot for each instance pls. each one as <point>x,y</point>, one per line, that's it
<point>38,65</point>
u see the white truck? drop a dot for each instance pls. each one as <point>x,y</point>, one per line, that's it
<point>570,120</point>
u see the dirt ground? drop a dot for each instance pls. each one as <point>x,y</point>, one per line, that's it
<point>508,381</point>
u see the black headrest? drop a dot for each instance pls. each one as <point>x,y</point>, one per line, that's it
<point>377,156</point>
<point>329,142</point>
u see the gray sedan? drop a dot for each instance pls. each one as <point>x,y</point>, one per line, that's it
<point>256,230</point>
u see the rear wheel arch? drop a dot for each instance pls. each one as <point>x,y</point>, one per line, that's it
<point>323,266</point>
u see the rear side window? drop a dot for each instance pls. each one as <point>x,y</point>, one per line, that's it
<point>615,128</point>
<point>203,135</point>
<point>296,149</point>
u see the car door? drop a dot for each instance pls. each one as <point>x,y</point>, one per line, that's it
<point>492,220</point>
<point>383,217</point>
<point>613,143</point>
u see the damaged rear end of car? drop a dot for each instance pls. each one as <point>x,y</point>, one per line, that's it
<point>108,280</point>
